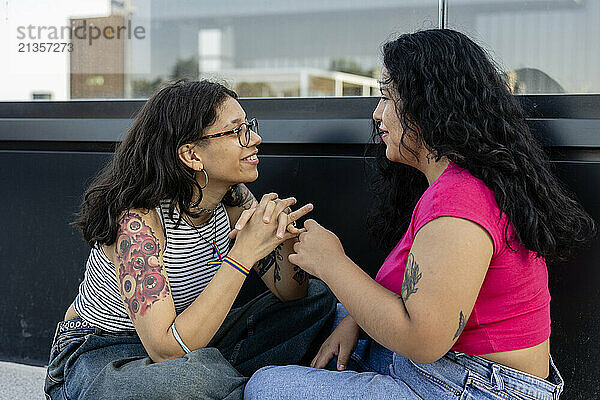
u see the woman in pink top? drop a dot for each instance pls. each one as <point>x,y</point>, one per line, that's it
<point>469,211</point>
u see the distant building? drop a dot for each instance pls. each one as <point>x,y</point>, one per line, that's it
<point>97,70</point>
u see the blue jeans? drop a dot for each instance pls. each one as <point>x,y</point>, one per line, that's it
<point>88,363</point>
<point>379,373</point>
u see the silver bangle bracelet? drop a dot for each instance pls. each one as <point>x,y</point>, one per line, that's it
<point>178,338</point>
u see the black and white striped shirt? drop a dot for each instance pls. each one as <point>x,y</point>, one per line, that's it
<point>187,253</point>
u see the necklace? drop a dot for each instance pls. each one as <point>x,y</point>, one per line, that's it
<point>205,210</point>
<point>215,248</point>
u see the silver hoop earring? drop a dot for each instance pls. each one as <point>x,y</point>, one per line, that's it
<point>205,177</point>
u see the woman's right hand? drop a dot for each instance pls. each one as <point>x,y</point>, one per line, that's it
<point>340,343</point>
<point>258,237</point>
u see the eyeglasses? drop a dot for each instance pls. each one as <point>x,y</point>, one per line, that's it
<point>243,132</point>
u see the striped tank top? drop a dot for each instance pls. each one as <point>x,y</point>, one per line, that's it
<point>187,253</point>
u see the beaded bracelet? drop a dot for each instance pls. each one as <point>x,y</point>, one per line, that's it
<point>236,265</point>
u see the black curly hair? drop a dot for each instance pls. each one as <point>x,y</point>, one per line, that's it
<point>448,87</point>
<point>145,168</point>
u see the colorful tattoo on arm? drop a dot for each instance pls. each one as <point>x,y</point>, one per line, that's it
<point>411,277</point>
<point>461,325</point>
<point>141,276</point>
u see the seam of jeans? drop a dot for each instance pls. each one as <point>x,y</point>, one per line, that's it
<point>52,379</point>
<point>509,388</point>
<point>482,385</point>
<point>510,372</point>
<point>235,353</point>
<point>64,391</point>
<point>250,323</point>
<point>360,362</point>
<point>436,380</point>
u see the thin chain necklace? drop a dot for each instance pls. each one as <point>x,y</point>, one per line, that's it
<point>215,247</point>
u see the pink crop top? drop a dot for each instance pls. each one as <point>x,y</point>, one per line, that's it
<point>512,310</point>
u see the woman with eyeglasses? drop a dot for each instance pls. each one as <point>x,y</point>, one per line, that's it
<point>153,317</point>
<point>469,212</point>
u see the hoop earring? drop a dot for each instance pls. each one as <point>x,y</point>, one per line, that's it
<point>205,178</point>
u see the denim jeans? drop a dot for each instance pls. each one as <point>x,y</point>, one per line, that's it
<point>378,373</point>
<point>88,363</point>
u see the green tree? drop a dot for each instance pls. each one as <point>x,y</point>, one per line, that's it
<point>346,65</point>
<point>144,87</point>
<point>185,68</point>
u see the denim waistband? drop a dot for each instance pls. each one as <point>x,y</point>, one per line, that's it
<point>71,325</point>
<point>500,375</point>
<point>78,326</point>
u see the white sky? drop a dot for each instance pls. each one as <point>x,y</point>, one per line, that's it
<point>24,73</point>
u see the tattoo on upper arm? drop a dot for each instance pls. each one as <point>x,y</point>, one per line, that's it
<point>244,196</point>
<point>411,277</point>
<point>141,276</point>
<point>461,325</point>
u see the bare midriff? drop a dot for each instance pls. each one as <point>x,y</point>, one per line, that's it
<point>532,360</point>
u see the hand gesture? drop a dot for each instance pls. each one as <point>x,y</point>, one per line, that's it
<point>286,221</point>
<point>316,249</point>
<point>340,343</point>
<point>260,235</point>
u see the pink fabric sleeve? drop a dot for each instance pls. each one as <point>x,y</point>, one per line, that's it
<point>467,199</point>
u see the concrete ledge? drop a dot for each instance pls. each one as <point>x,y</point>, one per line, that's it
<point>21,382</point>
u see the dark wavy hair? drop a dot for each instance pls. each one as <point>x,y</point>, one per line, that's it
<point>145,168</point>
<point>453,97</point>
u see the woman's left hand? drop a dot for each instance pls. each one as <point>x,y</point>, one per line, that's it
<point>317,249</point>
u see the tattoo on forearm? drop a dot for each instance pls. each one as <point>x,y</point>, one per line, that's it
<point>278,252</point>
<point>279,257</point>
<point>300,275</point>
<point>411,277</point>
<point>276,273</point>
<point>141,276</point>
<point>461,325</point>
<point>262,266</point>
<point>244,196</point>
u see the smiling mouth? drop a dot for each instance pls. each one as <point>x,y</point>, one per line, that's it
<point>251,157</point>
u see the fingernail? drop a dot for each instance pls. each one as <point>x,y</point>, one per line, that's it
<point>280,236</point>
<point>342,367</point>
<point>266,219</point>
<point>310,206</point>
<point>238,227</point>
